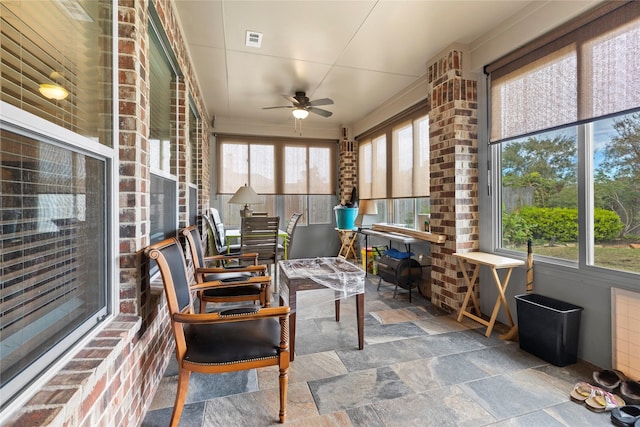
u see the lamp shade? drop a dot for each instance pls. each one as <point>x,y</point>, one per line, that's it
<point>300,113</point>
<point>365,207</point>
<point>368,207</point>
<point>245,196</point>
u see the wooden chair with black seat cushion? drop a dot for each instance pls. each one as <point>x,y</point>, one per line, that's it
<point>250,277</point>
<point>232,340</point>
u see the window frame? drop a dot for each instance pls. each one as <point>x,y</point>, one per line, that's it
<point>584,121</point>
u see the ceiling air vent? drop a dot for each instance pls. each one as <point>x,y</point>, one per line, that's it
<point>254,39</point>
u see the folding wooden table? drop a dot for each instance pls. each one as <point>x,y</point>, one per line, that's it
<point>494,262</point>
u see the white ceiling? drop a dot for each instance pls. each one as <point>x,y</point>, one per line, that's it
<point>358,53</point>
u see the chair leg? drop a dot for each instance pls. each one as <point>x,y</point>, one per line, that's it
<point>284,382</point>
<point>203,306</point>
<point>181,395</point>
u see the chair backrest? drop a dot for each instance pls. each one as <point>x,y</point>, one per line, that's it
<point>291,228</point>
<point>195,248</point>
<point>215,246</point>
<point>260,234</point>
<point>169,256</point>
<point>218,226</point>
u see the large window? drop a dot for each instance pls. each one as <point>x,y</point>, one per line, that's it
<point>56,168</point>
<point>291,176</point>
<point>565,119</point>
<point>399,146</point>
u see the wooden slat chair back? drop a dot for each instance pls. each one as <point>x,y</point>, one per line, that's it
<point>233,340</point>
<point>250,279</point>
<point>260,235</point>
<point>291,229</point>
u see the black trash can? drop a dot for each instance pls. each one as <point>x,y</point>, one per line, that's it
<point>549,328</point>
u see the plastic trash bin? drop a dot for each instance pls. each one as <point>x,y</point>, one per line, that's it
<point>548,328</point>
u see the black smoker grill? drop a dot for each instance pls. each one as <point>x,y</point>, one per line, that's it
<point>405,273</point>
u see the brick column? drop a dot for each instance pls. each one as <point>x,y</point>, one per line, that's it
<point>347,167</point>
<point>454,175</point>
<point>133,87</point>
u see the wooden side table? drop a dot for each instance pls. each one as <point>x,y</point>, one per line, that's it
<point>348,239</point>
<point>494,262</point>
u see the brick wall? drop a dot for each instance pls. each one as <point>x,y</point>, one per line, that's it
<point>111,381</point>
<point>454,175</point>
<point>347,168</point>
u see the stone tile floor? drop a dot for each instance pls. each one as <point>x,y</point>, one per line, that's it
<point>419,367</point>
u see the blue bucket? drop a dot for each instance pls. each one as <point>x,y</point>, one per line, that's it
<point>346,217</point>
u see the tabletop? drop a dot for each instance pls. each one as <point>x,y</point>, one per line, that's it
<point>491,260</point>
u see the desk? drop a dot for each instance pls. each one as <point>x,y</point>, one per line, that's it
<point>235,234</point>
<point>334,273</point>
<point>494,262</point>
<point>391,236</point>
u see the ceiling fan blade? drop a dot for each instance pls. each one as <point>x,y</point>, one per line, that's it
<point>320,111</point>
<point>280,106</point>
<point>291,99</point>
<point>322,101</point>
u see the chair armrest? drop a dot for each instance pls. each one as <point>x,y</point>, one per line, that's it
<point>235,269</point>
<point>252,256</point>
<point>231,284</point>
<point>205,318</point>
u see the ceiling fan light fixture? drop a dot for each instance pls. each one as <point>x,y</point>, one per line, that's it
<point>53,91</point>
<point>300,113</point>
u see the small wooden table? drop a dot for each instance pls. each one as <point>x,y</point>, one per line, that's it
<point>348,239</point>
<point>494,262</point>
<point>334,273</point>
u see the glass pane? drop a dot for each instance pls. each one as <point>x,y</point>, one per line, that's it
<point>540,195</point>
<point>235,173</point>
<point>541,95</point>
<point>616,189</point>
<point>421,179</point>
<point>161,96</point>
<point>320,209</point>
<point>365,169</point>
<point>45,43</point>
<point>320,169</point>
<point>402,161</point>
<point>263,179</point>
<point>53,246</point>
<point>295,170</point>
<point>292,204</point>
<point>404,212</point>
<point>163,207</point>
<point>379,170</point>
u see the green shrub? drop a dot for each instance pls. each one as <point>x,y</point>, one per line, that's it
<point>515,229</point>
<point>561,224</point>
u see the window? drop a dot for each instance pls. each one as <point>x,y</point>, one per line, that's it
<point>56,162</point>
<point>400,145</point>
<point>162,143</point>
<point>289,174</point>
<point>565,119</point>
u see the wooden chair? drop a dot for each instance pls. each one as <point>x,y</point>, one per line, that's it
<point>251,280</point>
<point>232,340</point>
<point>291,228</point>
<point>259,234</point>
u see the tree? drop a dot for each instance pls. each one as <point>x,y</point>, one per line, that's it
<point>546,164</point>
<point>618,178</point>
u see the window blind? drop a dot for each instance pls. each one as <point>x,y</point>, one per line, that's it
<point>569,77</point>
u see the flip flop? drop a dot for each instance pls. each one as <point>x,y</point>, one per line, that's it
<point>604,401</point>
<point>625,416</point>
<point>582,391</point>
<point>630,392</point>
<point>609,379</point>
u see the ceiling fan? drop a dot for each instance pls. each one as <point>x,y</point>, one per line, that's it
<point>302,106</point>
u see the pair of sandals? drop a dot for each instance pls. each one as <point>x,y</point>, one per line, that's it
<point>596,398</point>
<point>613,380</point>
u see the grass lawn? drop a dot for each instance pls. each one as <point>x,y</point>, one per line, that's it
<point>616,257</point>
